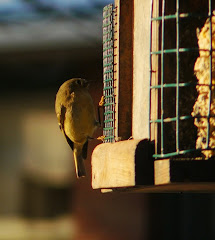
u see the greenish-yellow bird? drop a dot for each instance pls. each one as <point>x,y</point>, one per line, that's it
<point>76,118</point>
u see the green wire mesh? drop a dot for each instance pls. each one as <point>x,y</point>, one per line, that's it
<point>108,73</point>
<point>175,137</point>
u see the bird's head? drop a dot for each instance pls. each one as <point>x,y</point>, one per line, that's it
<point>72,85</point>
<point>78,83</point>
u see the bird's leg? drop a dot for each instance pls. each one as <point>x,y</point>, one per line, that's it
<point>101,106</point>
<point>98,138</point>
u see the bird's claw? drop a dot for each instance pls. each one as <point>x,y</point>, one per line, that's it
<point>101,138</point>
<point>102,101</point>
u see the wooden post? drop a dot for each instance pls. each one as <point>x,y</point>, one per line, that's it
<point>141,69</point>
<point>123,70</point>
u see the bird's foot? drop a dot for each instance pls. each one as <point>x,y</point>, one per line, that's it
<point>101,138</point>
<point>102,101</point>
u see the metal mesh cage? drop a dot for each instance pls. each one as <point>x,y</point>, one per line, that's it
<point>108,72</point>
<point>182,93</point>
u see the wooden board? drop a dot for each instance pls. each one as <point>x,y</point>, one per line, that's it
<point>177,176</point>
<point>141,69</point>
<point>197,187</point>
<point>122,164</point>
<point>154,74</point>
<point>124,67</point>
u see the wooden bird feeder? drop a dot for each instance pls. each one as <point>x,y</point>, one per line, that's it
<point>158,97</point>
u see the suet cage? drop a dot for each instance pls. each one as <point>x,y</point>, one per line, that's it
<point>108,73</point>
<point>182,84</point>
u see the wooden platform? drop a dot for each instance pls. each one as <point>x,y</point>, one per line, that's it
<point>128,166</point>
<point>197,187</point>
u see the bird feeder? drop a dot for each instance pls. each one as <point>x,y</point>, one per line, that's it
<point>159,83</point>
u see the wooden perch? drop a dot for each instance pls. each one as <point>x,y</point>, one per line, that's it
<point>122,164</point>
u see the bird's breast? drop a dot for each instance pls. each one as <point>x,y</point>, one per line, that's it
<point>80,117</point>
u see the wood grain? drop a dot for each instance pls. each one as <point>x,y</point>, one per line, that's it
<point>122,164</point>
<point>141,69</point>
<point>125,68</point>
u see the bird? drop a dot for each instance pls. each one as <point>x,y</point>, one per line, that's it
<point>76,118</point>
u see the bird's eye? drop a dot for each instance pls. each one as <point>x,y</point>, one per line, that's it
<point>78,82</point>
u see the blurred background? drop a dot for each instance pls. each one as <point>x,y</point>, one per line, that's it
<point>42,44</point>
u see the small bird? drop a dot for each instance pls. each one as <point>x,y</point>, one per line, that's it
<point>76,118</point>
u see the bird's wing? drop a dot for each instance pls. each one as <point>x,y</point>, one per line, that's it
<point>61,116</point>
<point>70,142</point>
<point>84,150</point>
<point>61,120</point>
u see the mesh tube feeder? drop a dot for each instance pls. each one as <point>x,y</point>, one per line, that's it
<point>183,89</point>
<point>108,73</point>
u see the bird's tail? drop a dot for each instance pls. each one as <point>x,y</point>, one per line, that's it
<point>79,162</point>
